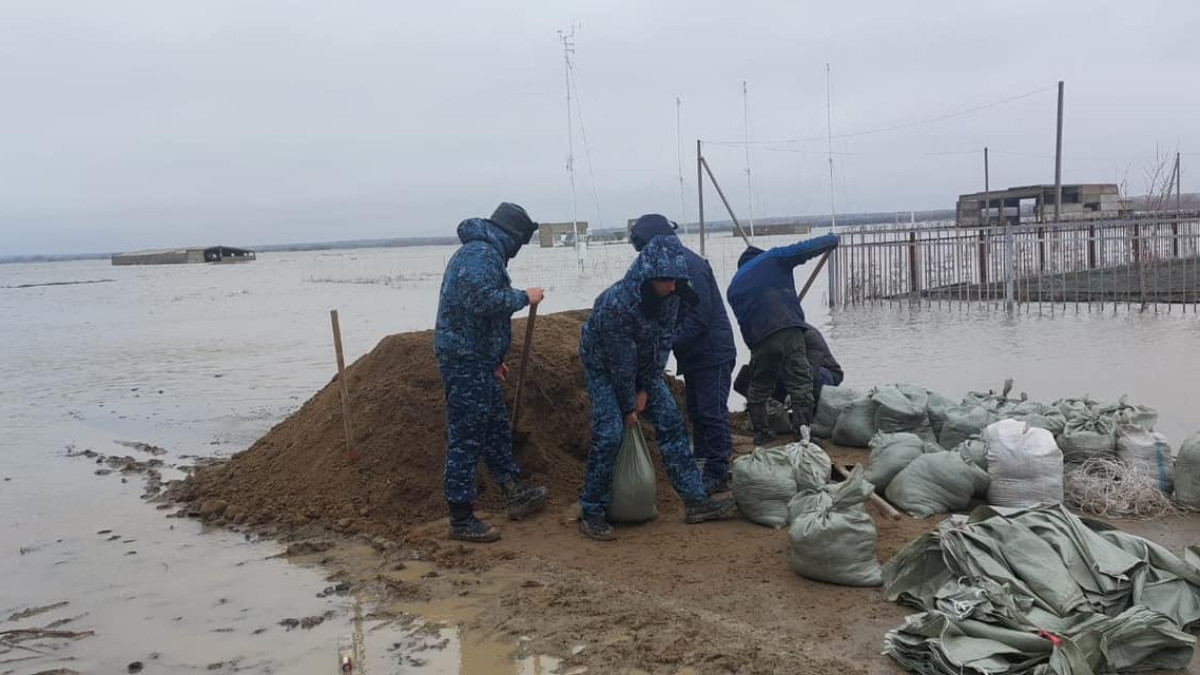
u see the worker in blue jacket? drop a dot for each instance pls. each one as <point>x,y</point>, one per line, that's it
<point>704,353</point>
<point>624,348</point>
<point>762,294</point>
<point>473,334</point>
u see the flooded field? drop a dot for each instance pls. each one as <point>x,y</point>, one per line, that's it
<point>202,360</point>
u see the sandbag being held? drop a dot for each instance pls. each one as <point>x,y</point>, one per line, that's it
<point>633,484</point>
<point>856,425</point>
<point>1187,474</point>
<point>1024,464</point>
<point>940,482</point>
<point>833,401</point>
<point>832,537</point>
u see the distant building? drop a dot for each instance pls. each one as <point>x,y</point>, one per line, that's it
<point>1081,200</point>
<point>180,256</point>
<point>556,234</point>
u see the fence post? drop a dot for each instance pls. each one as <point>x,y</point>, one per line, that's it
<point>983,276</point>
<point>1175,237</point>
<point>1041,234</point>
<point>914,271</point>
<point>1008,268</point>
<point>1091,247</point>
<point>1137,243</point>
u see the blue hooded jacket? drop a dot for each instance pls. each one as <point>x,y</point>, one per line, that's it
<point>474,316</point>
<point>629,332</point>
<point>763,291</point>
<point>704,336</point>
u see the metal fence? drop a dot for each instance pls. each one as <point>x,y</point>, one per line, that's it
<point>1140,261</point>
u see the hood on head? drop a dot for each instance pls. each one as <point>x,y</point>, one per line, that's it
<point>479,229</point>
<point>515,223</point>
<point>661,258</point>
<point>648,227</point>
<point>749,254</point>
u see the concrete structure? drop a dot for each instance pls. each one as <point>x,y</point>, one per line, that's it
<point>1082,200</point>
<point>180,256</point>
<point>553,234</point>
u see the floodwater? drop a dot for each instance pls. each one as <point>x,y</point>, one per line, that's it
<point>202,360</point>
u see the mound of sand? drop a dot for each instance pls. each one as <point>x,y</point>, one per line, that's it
<point>298,473</point>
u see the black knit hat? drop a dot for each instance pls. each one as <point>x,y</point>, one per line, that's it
<point>515,222</point>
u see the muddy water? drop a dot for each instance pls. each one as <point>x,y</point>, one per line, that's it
<point>201,360</point>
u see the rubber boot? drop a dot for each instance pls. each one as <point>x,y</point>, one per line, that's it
<point>714,485</point>
<point>464,526</point>
<point>708,509</point>
<point>596,527</point>
<point>758,418</point>
<point>521,501</point>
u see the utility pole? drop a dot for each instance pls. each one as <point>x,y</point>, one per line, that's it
<point>1178,189</point>
<point>987,191</point>
<point>679,152</point>
<point>829,136</point>
<point>568,42</point>
<point>746,124</point>
<point>1058,157</point>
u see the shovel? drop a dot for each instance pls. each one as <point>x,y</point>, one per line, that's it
<point>520,438</point>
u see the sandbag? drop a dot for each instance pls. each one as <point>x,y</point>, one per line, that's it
<point>832,537</point>
<point>633,482</point>
<point>856,425</point>
<point>1187,473</point>
<point>763,483</point>
<point>1147,453</point>
<point>1024,464</point>
<point>811,467</point>
<point>1088,435</point>
<point>1074,407</point>
<point>902,407</point>
<point>963,422</point>
<point>939,482</point>
<point>833,401</point>
<point>1135,415</point>
<point>936,408</point>
<point>1040,415</point>
<point>974,450</point>
<point>890,454</point>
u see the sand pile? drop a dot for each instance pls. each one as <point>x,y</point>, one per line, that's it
<point>298,473</point>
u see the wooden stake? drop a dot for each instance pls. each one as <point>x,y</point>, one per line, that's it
<point>815,272</point>
<point>351,453</point>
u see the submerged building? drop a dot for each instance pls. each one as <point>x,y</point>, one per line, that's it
<point>179,256</point>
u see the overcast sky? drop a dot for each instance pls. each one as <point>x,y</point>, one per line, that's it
<point>142,124</point>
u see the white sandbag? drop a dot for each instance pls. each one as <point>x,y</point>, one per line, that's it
<point>963,422</point>
<point>1147,453</point>
<point>902,408</point>
<point>763,483</point>
<point>633,483</point>
<point>833,401</point>
<point>939,482</point>
<point>1187,474</point>
<point>832,537</point>
<point>1025,465</point>
<point>1088,435</point>
<point>856,425</point>
<point>890,454</point>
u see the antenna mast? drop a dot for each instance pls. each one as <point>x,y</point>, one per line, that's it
<point>679,150</point>
<point>568,43</point>
<point>829,136</point>
<point>749,183</point>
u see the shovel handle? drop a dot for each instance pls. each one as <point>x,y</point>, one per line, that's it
<point>516,418</point>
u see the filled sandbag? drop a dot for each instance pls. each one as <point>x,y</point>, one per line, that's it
<point>937,408</point>
<point>964,422</point>
<point>811,467</point>
<point>1187,474</point>
<point>973,450</point>
<point>1073,407</point>
<point>939,482</point>
<point>833,401</point>
<point>763,483</point>
<point>832,537</point>
<point>633,482</point>
<point>1088,435</point>
<point>1040,415</point>
<point>1024,464</point>
<point>1147,453</point>
<point>856,425</point>
<point>1134,415</point>
<point>901,408</point>
<point>890,454</point>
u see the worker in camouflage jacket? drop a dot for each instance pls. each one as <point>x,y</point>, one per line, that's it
<point>763,297</point>
<point>704,354</point>
<point>624,348</point>
<point>472,336</point>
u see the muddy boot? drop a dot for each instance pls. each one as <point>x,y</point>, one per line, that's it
<point>464,526</point>
<point>708,509</point>
<point>762,429</point>
<point>802,416</point>
<point>596,527</point>
<point>521,501</point>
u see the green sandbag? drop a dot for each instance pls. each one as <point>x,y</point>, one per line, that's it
<point>1187,474</point>
<point>902,407</point>
<point>974,450</point>
<point>941,482</point>
<point>763,484</point>
<point>856,425</point>
<point>937,408</point>
<point>963,422</point>
<point>633,484</point>
<point>1088,435</point>
<point>890,454</point>
<point>1039,415</point>
<point>811,467</point>
<point>1147,453</point>
<point>829,408</point>
<point>832,537</point>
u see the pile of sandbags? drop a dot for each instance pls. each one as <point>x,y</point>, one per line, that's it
<point>832,537</point>
<point>829,408</point>
<point>766,480</point>
<point>1024,464</point>
<point>890,454</point>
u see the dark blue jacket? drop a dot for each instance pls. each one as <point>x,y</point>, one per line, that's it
<point>474,316</point>
<point>628,335</point>
<point>704,337</point>
<point>763,291</point>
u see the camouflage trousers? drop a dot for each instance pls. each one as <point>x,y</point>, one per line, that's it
<point>477,427</point>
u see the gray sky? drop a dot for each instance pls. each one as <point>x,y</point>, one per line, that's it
<point>142,124</point>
